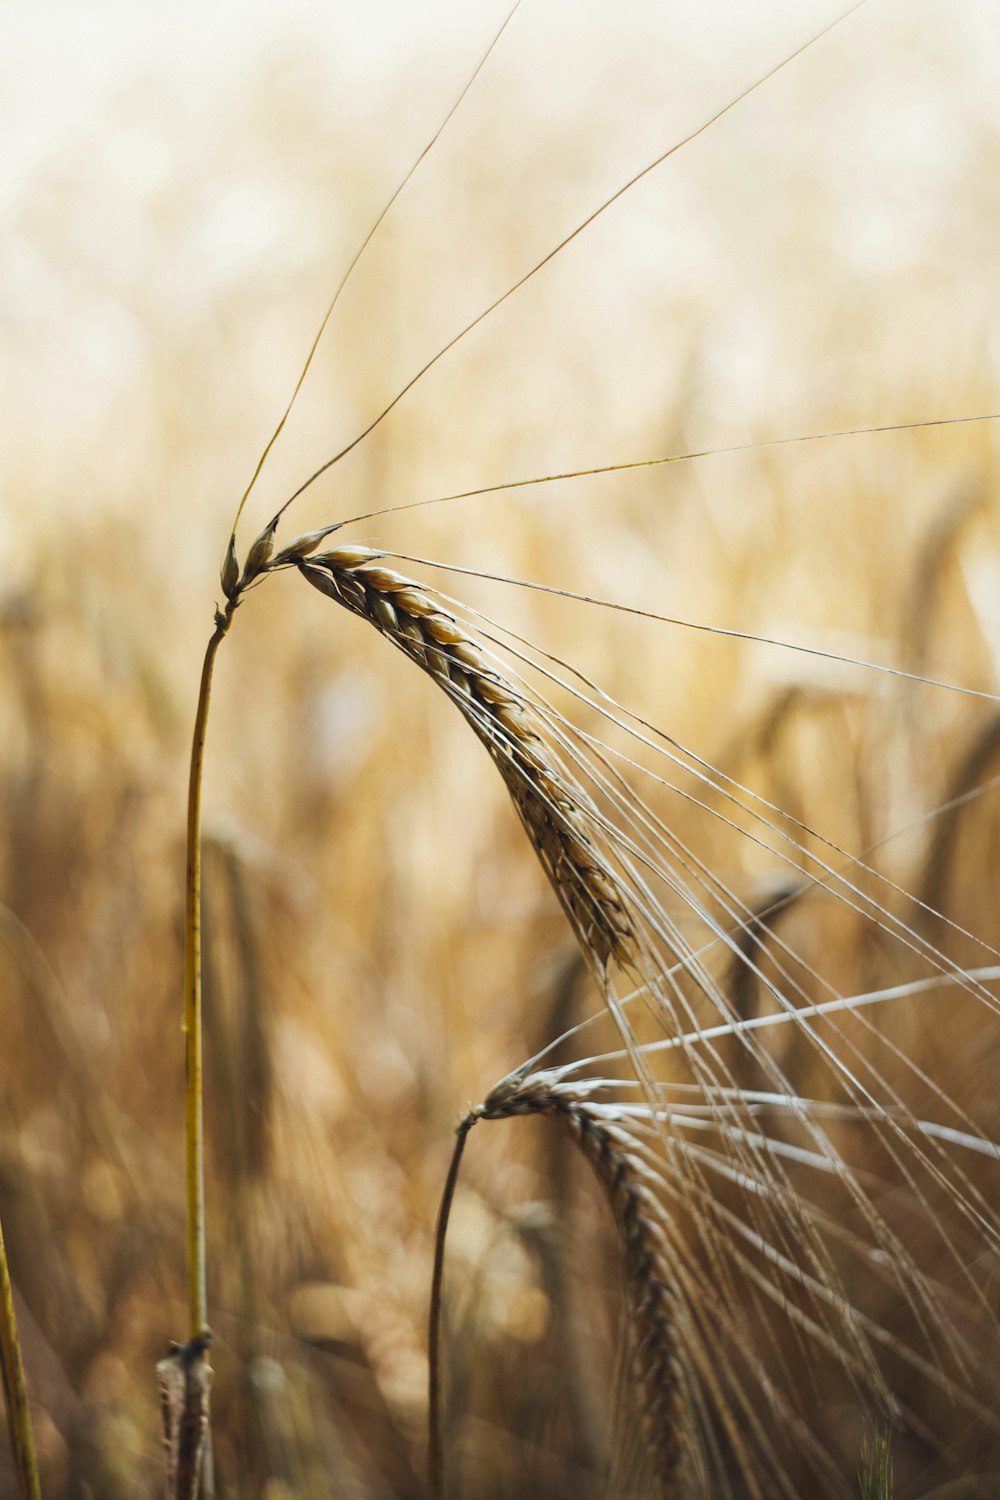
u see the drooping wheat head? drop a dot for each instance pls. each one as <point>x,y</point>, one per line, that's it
<point>546,800</point>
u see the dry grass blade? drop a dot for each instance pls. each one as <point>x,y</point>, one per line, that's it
<point>875,1475</point>
<point>238,1013</point>
<point>185,1378</point>
<point>971,775</point>
<point>22,1439</point>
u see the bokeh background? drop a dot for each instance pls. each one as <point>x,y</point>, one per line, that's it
<point>181,190</point>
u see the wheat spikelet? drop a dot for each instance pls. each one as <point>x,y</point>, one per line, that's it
<point>549,806</point>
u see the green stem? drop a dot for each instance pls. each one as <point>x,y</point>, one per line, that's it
<point>193,1121</point>
<point>22,1440</point>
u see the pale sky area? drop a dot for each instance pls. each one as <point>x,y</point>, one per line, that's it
<point>160,163</point>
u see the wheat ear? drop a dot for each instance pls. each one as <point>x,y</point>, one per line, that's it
<point>651,1297</point>
<point>550,807</point>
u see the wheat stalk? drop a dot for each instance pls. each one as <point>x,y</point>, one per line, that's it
<point>19,1425</point>
<point>185,1375</point>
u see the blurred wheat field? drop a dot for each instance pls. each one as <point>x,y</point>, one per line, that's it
<point>181,196</point>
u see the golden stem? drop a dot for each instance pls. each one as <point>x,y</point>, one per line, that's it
<point>435,1406</point>
<point>22,1440</point>
<point>194,1126</point>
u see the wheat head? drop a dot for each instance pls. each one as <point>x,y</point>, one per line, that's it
<point>416,621</point>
